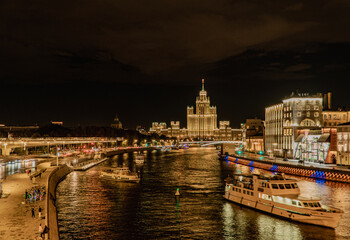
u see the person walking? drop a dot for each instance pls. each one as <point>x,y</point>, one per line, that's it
<point>33,213</point>
<point>41,231</point>
<point>39,212</point>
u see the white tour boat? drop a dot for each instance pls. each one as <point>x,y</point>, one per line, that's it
<point>122,174</point>
<point>280,196</point>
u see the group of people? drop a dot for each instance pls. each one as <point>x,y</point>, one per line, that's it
<point>36,193</point>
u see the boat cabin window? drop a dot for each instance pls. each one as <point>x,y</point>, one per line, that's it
<point>305,204</point>
<point>274,186</point>
<point>299,204</point>
<point>295,185</point>
<point>316,204</point>
<point>244,191</point>
<point>288,186</point>
<point>281,186</point>
<point>294,202</point>
<point>251,193</point>
<point>292,185</point>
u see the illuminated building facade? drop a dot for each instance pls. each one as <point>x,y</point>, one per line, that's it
<point>159,128</point>
<point>274,129</point>
<point>343,135</point>
<point>301,112</point>
<point>254,135</point>
<point>334,118</point>
<point>224,132</point>
<point>117,123</point>
<point>298,112</point>
<point>202,121</point>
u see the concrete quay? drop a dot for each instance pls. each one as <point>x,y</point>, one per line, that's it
<point>292,167</point>
<point>87,165</point>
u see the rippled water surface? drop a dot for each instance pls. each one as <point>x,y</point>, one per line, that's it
<point>94,208</point>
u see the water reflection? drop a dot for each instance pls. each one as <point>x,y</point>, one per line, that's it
<point>94,208</point>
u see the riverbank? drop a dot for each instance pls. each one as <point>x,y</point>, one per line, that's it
<point>16,221</point>
<point>51,214</point>
<point>293,168</point>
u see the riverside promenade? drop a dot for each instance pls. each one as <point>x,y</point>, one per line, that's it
<point>16,220</point>
<point>293,167</point>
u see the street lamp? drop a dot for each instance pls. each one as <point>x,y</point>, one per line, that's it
<point>5,144</point>
<point>340,149</point>
<point>57,155</point>
<point>24,148</point>
<point>48,147</point>
<point>274,151</point>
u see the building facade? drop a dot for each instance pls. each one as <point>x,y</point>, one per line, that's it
<point>117,123</point>
<point>308,131</point>
<point>202,121</point>
<point>159,128</point>
<point>343,135</point>
<point>334,118</point>
<point>282,122</point>
<point>274,130</point>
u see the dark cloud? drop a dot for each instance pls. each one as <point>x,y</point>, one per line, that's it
<point>157,36</point>
<point>172,43</point>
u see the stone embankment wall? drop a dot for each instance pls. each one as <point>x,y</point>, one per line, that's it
<point>298,170</point>
<point>51,214</point>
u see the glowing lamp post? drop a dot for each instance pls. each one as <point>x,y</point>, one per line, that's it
<point>274,150</point>
<point>5,144</point>
<point>24,148</point>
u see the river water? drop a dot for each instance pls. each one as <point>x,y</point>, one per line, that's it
<point>94,208</point>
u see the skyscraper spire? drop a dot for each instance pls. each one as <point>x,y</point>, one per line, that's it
<point>202,84</point>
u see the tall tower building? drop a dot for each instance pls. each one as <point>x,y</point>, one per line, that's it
<point>202,122</point>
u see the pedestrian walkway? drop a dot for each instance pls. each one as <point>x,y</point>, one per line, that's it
<point>254,156</point>
<point>16,221</point>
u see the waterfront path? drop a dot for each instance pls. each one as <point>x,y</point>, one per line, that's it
<point>323,172</point>
<point>16,220</point>
<point>254,156</point>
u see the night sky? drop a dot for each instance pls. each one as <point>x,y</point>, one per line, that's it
<point>83,61</point>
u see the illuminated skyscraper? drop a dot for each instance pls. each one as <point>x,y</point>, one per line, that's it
<point>203,121</point>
